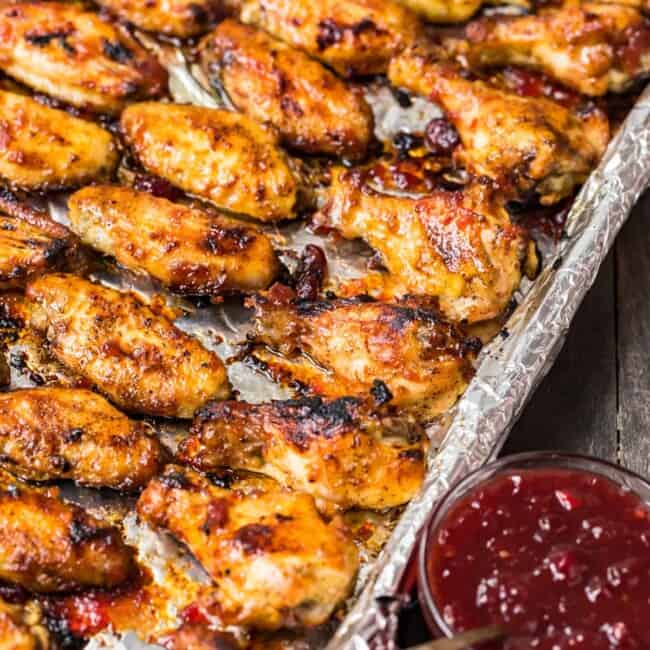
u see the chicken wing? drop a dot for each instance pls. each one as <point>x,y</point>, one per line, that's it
<point>181,18</point>
<point>224,157</point>
<point>451,11</point>
<point>313,110</point>
<point>355,37</point>
<point>135,356</point>
<point>48,545</point>
<point>329,449</point>
<point>73,55</point>
<point>593,48</point>
<point>193,636</point>
<point>275,562</point>
<point>42,148</point>
<point>21,628</point>
<point>67,433</point>
<point>523,143</point>
<point>393,352</point>
<point>188,250</point>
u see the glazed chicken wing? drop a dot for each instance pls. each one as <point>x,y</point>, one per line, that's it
<point>329,449</point>
<point>355,37</point>
<point>134,355</point>
<point>313,110</point>
<point>42,148</point>
<point>224,157</point>
<point>364,348</point>
<point>275,562</point>
<point>593,48</point>
<point>67,433</point>
<point>73,55</point>
<point>21,628</point>
<point>186,249</point>
<point>523,143</point>
<point>451,11</point>
<point>48,545</point>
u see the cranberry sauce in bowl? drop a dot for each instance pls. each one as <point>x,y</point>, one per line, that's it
<point>555,548</point>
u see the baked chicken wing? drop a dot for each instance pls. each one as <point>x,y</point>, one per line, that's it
<point>523,143</point>
<point>68,433</point>
<point>186,249</point>
<point>451,11</point>
<point>404,354</point>
<point>42,148</point>
<point>275,562</point>
<point>48,545</point>
<point>21,628</point>
<point>73,55</point>
<point>218,155</point>
<point>313,110</point>
<point>332,450</point>
<point>134,355</point>
<point>355,37</point>
<point>593,48</point>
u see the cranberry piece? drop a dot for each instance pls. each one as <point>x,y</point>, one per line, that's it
<point>441,136</point>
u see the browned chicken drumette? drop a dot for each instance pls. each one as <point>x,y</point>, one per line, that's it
<point>333,450</point>
<point>313,110</point>
<point>134,355</point>
<point>594,48</point>
<point>188,250</point>
<point>523,143</point>
<point>215,154</point>
<point>67,433</point>
<point>48,545</point>
<point>274,560</point>
<point>355,37</point>
<point>21,628</point>
<point>73,55</point>
<point>376,351</point>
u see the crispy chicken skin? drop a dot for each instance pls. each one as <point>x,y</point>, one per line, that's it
<point>365,348</point>
<point>329,449</point>
<point>73,55</point>
<point>459,246</point>
<point>218,155</point>
<point>43,149</point>
<point>135,356</point>
<point>182,18</point>
<point>355,37</point>
<point>188,250</point>
<point>275,562</point>
<point>313,110</point>
<point>20,628</point>
<point>48,545</point>
<point>593,48</point>
<point>67,433</point>
<point>523,143</point>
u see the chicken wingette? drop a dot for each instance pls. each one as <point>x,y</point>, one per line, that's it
<point>333,450</point>
<point>48,545</point>
<point>407,355</point>
<point>355,37</point>
<point>188,250</point>
<point>274,561</point>
<point>21,628</point>
<point>313,110</point>
<point>132,354</point>
<point>71,54</point>
<point>451,11</point>
<point>44,149</point>
<point>523,143</point>
<point>68,433</point>
<point>215,154</point>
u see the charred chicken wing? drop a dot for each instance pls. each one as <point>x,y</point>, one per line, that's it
<point>42,148</point>
<point>355,37</point>
<point>68,433</point>
<point>313,110</point>
<point>275,562</point>
<point>188,250</point>
<point>329,449</point>
<point>21,628</point>
<point>523,143</point>
<point>366,349</point>
<point>224,157</point>
<point>48,545</point>
<point>134,355</point>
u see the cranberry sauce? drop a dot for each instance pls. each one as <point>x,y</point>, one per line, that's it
<point>560,557</point>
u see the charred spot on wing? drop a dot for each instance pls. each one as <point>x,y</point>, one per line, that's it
<point>329,33</point>
<point>116,51</point>
<point>81,531</point>
<point>224,478</point>
<point>227,241</point>
<point>416,455</point>
<point>380,393</point>
<point>175,480</point>
<point>254,538</point>
<point>44,39</point>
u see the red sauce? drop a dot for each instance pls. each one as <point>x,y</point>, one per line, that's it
<point>560,557</point>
